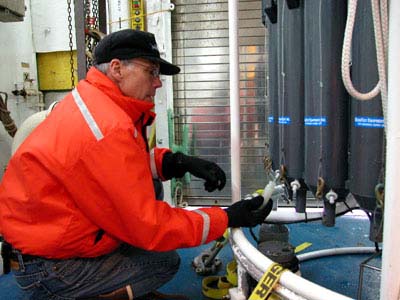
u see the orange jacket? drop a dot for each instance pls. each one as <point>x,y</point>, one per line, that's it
<point>86,170</point>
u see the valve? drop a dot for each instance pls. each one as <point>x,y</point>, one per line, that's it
<point>331,196</point>
<point>295,184</point>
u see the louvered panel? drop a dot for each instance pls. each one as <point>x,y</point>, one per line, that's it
<point>201,91</point>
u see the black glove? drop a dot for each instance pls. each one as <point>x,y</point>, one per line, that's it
<point>246,213</point>
<point>177,164</point>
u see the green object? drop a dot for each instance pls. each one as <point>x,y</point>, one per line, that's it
<point>184,148</point>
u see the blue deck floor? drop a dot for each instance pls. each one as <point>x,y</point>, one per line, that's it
<point>340,273</point>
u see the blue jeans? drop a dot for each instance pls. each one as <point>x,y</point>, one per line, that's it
<point>74,278</point>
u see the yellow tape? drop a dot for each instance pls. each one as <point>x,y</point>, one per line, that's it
<point>302,247</point>
<point>216,287</point>
<point>231,272</point>
<point>267,282</point>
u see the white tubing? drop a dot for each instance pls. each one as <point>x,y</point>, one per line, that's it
<point>390,282</point>
<point>234,98</point>
<point>289,215</point>
<point>335,251</point>
<point>294,283</point>
<point>233,10</point>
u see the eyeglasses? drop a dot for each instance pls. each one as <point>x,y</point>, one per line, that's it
<point>155,72</point>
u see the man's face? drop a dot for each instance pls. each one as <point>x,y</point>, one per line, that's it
<point>139,79</point>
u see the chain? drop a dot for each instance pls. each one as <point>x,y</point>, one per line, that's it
<point>71,58</point>
<point>95,13</point>
<point>92,22</point>
<point>87,28</point>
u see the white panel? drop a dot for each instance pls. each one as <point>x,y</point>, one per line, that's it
<point>17,57</point>
<point>17,53</point>
<point>119,11</point>
<point>50,25</point>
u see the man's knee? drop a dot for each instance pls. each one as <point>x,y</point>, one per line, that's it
<point>175,260</point>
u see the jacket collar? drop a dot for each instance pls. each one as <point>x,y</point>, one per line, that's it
<point>135,108</point>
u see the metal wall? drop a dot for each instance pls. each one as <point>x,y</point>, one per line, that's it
<point>201,91</point>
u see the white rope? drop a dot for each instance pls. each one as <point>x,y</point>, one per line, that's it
<point>346,57</point>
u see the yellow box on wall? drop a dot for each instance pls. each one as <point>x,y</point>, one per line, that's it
<point>54,70</point>
<point>137,15</point>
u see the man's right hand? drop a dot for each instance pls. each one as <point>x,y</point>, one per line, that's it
<point>247,213</point>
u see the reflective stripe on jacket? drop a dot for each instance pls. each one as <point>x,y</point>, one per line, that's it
<point>85,170</point>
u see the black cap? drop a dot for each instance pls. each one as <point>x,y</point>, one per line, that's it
<point>129,43</point>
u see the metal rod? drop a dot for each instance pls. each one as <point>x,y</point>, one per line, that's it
<point>80,38</point>
<point>234,98</point>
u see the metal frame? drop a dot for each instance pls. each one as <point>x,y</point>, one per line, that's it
<point>364,265</point>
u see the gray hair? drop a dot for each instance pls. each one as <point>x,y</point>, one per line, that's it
<point>103,67</point>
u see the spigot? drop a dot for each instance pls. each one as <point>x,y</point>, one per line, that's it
<point>295,185</point>
<point>331,196</point>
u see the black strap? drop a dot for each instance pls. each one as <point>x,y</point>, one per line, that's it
<point>6,251</point>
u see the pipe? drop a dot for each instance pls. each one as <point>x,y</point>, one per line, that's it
<point>234,98</point>
<point>335,251</point>
<point>390,282</point>
<point>33,92</point>
<point>233,14</point>
<point>294,283</point>
<point>257,275</point>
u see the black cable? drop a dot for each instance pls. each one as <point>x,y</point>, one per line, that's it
<point>377,247</point>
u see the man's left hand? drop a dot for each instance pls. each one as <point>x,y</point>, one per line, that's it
<point>177,164</point>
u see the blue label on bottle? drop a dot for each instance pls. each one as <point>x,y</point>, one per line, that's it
<point>315,121</point>
<point>284,120</point>
<point>271,119</point>
<point>369,122</point>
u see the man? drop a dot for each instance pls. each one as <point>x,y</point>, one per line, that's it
<point>77,202</point>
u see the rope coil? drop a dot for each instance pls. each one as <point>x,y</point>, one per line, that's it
<point>5,117</point>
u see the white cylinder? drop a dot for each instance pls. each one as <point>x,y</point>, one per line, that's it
<point>234,98</point>
<point>390,282</point>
